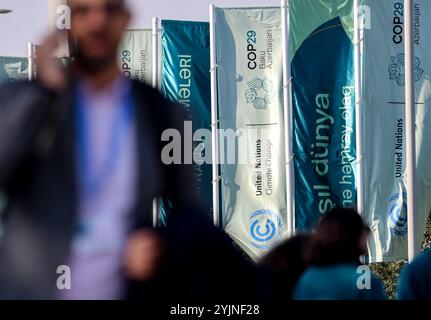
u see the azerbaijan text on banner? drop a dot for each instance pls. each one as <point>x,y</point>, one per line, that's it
<point>249,82</point>
<point>384,127</point>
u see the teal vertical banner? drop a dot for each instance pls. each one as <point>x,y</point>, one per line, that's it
<point>324,123</point>
<point>186,80</point>
<point>13,69</point>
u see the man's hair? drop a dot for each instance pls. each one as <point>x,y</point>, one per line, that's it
<point>126,3</point>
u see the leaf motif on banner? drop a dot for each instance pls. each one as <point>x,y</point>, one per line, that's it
<point>267,85</point>
<point>418,73</point>
<point>269,97</point>
<point>401,80</point>
<point>250,95</point>
<point>398,59</point>
<point>394,71</point>
<point>255,84</point>
<point>261,93</point>
<point>259,103</point>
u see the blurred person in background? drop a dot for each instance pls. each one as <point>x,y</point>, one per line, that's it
<point>80,163</point>
<point>415,279</point>
<point>287,261</point>
<point>340,239</point>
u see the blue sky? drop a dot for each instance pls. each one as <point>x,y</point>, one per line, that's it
<point>29,21</point>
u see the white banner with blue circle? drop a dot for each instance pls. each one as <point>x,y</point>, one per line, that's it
<point>249,80</point>
<point>384,126</point>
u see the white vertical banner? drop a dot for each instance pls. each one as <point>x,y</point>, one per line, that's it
<point>385,127</point>
<point>249,52</point>
<point>136,56</point>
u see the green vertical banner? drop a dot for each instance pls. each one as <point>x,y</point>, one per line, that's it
<point>323,97</point>
<point>186,80</point>
<point>136,55</point>
<point>385,127</point>
<point>13,69</point>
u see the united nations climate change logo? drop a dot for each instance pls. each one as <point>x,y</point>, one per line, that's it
<point>265,228</point>
<point>396,69</point>
<point>260,93</point>
<point>398,214</point>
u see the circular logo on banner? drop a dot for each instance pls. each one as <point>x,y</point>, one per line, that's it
<point>265,228</point>
<point>396,69</point>
<point>398,214</point>
<point>260,93</point>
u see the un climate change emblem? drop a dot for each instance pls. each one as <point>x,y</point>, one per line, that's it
<point>396,69</point>
<point>265,228</point>
<point>260,93</point>
<point>398,214</point>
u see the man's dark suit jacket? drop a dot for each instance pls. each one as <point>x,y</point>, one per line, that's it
<point>38,179</point>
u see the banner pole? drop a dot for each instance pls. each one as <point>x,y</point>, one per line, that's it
<point>413,247</point>
<point>155,47</point>
<point>358,97</point>
<point>287,101</point>
<point>214,119</point>
<point>155,84</point>
<point>30,59</point>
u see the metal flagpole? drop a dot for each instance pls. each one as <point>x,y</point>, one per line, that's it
<point>155,45</point>
<point>214,120</point>
<point>413,247</point>
<point>358,97</point>
<point>30,59</point>
<point>287,101</point>
<point>155,84</point>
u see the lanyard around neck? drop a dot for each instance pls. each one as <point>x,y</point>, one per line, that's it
<point>93,179</point>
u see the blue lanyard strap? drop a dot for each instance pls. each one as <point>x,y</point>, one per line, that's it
<point>92,181</point>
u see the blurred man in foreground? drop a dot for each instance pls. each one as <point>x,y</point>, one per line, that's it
<point>80,165</point>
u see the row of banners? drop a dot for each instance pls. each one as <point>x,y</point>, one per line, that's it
<point>249,54</point>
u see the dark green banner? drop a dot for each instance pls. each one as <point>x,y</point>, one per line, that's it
<point>186,80</point>
<point>323,95</point>
<point>13,69</point>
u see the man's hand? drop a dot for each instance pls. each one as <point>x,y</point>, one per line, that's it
<point>144,255</point>
<point>49,71</point>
